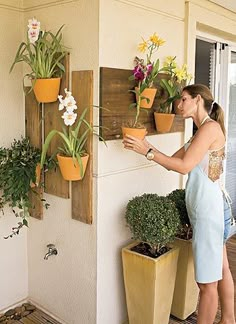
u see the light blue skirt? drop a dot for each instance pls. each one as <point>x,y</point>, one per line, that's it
<point>204,202</point>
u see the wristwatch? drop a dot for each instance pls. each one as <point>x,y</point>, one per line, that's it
<point>150,154</point>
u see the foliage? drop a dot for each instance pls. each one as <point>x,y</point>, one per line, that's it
<point>178,78</point>
<point>146,71</point>
<point>42,52</point>
<point>17,173</point>
<point>152,219</point>
<point>178,197</point>
<point>75,136</point>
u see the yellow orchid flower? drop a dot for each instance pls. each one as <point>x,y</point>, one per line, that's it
<point>156,40</point>
<point>142,47</point>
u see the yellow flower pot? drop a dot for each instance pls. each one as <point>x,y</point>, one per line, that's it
<point>149,93</point>
<point>163,122</point>
<point>136,132</point>
<point>38,174</point>
<point>46,90</point>
<point>70,169</point>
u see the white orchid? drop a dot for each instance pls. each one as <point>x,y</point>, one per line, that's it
<point>74,137</point>
<point>68,102</point>
<point>42,51</point>
<point>69,118</point>
<point>34,24</point>
<point>34,28</point>
<point>33,35</point>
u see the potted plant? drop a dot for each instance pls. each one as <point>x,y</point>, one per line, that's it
<point>177,78</point>
<point>149,264</point>
<point>18,176</point>
<point>186,291</point>
<point>145,73</point>
<point>72,157</point>
<point>43,53</point>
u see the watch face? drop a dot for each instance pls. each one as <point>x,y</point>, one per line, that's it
<point>150,155</point>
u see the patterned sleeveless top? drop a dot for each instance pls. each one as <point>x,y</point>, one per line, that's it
<point>212,162</point>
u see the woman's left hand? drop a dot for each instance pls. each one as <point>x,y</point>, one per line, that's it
<point>135,144</point>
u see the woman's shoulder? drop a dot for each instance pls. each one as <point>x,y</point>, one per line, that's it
<point>211,126</point>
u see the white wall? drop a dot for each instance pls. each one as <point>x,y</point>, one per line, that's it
<point>123,174</point>
<point>14,269</point>
<point>65,285</point>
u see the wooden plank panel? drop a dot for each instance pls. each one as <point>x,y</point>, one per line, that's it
<point>115,96</point>
<point>54,183</point>
<point>33,130</point>
<point>82,191</point>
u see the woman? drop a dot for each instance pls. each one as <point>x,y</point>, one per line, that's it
<point>202,158</point>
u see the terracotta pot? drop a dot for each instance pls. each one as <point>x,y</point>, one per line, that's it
<point>37,173</point>
<point>163,122</point>
<point>46,90</point>
<point>148,93</point>
<point>70,170</point>
<point>136,132</point>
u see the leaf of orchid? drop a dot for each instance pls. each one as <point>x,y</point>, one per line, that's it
<point>145,98</point>
<point>131,78</point>
<point>133,105</point>
<point>143,87</point>
<point>22,47</point>
<point>80,120</point>
<point>82,140</point>
<point>164,83</point>
<point>47,141</point>
<point>78,157</point>
<point>134,91</point>
<point>101,138</point>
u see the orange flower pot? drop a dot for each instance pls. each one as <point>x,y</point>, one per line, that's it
<point>70,170</point>
<point>163,122</point>
<point>136,132</point>
<point>37,173</point>
<point>46,90</point>
<point>149,93</point>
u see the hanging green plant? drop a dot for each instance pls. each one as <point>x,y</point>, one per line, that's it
<point>17,179</point>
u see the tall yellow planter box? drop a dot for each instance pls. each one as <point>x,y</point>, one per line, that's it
<point>186,290</point>
<point>149,285</point>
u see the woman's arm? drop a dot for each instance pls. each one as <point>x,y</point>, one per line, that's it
<point>182,162</point>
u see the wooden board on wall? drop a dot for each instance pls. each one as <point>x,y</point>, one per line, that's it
<point>116,98</point>
<point>54,183</point>
<point>82,191</point>
<point>33,130</point>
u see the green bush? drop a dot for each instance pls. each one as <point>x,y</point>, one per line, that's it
<point>152,219</point>
<point>178,197</point>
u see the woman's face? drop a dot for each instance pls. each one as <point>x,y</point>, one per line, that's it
<point>187,105</point>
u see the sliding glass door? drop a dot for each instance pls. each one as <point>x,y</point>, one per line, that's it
<point>216,67</point>
<point>230,179</point>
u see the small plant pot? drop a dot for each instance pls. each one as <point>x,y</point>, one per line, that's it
<point>46,90</point>
<point>163,122</point>
<point>70,169</point>
<point>38,173</point>
<point>149,93</point>
<point>136,132</point>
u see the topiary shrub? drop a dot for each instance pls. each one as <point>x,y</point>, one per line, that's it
<point>152,219</point>
<point>178,197</point>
